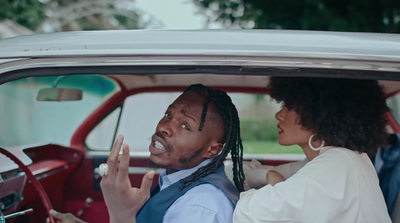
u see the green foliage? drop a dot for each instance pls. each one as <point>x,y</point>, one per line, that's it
<point>259,130</point>
<point>269,147</point>
<point>28,13</point>
<point>328,15</point>
<point>69,15</point>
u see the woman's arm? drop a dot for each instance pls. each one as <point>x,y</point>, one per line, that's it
<point>273,177</point>
<point>257,174</point>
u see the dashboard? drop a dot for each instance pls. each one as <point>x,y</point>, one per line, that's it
<point>50,164</point>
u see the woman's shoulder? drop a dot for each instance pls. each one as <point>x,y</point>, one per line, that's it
<point>340,159</point>
<point>340,152</point>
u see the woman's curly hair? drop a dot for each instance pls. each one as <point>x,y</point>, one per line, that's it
<point>347,113</point>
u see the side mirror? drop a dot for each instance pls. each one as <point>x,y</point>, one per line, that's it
<point>59,94</point>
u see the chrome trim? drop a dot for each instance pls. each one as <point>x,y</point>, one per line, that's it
<point>134,170</point>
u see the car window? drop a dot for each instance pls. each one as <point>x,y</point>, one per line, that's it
<point>394,105</point>
<point>102,136</point>
<point>141,113</point>
<point>24,120</point>
<point>140,117</point>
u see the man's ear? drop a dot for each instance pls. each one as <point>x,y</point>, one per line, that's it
<point>214,149</point>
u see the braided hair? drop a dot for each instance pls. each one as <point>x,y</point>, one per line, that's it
<point>232,140</point>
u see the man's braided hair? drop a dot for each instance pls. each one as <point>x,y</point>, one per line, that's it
<point>233,142</point>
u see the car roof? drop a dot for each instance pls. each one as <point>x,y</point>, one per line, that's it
<point>244,57</point>
<point>209,42</point>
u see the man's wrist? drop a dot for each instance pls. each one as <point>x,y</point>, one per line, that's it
<point>119,219</point>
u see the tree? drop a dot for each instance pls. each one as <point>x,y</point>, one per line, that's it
<point>67,15</point>
<point>28,13</point>
<point>328,15</point>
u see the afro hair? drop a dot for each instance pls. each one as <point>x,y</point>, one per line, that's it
<point>347,113</point>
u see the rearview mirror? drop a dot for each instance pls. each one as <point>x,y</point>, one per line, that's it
<point>59,94</point>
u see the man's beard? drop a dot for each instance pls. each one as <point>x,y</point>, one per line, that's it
<point>182,160</point>
<point>155,165</point>
<point>187,160</point>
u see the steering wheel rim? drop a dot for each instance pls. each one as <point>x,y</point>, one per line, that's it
<point>36,184</point>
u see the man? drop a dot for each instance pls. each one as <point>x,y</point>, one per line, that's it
<point>191,141</point>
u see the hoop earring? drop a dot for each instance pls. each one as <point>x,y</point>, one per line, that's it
<point>312,147</point>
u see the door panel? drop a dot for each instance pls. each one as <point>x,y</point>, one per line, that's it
<point>84,183</point>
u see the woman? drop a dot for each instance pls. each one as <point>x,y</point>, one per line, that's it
<point>337,123</point>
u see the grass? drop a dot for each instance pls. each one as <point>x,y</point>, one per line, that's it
<point>269,147</point>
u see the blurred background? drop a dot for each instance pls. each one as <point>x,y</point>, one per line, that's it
<point>23,17</point>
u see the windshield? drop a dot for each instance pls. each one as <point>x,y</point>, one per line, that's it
<point>27,121</point>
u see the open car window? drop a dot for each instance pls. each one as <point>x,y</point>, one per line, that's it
<point>141,113</point>
<point>138,117</point>
<point>394,104</point>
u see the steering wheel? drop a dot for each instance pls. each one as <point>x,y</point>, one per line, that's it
<point>36,184</point>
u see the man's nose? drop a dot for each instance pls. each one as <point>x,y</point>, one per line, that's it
<point>165,127</point>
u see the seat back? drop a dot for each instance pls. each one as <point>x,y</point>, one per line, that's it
<point>396,210</point>
<point>387,165</point>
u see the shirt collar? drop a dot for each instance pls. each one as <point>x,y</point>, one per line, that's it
<point>168,179</point>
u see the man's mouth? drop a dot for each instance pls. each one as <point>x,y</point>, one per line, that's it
<point>157,146</point>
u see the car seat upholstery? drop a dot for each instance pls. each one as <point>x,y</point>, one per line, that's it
<point>387,165</point>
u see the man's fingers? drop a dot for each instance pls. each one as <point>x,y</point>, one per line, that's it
<point>55,214</point>
<point>124,162</point>
<point>112,160</point>
<point>147,181</point>
<point>116,148</point>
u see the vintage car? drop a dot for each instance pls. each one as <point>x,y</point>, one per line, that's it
<point>66,96</point>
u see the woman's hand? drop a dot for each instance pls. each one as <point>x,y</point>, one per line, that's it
<point>64,218</point>
<point>122,200</point>
<point>258,175</point>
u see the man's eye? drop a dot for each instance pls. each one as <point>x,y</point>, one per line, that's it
<point>185,127</point>
<point>166,115</point>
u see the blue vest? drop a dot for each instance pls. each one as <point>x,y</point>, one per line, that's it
<point>154,210</point>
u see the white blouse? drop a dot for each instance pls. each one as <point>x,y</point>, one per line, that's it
<point>339,185</point>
